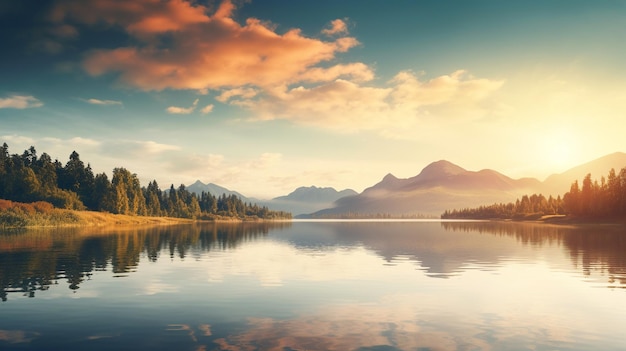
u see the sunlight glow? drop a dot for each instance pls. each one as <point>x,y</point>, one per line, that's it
<point>559,149</point>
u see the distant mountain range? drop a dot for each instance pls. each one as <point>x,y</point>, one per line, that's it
<point>443,185</point>
<point>300,201</point>
<point>308,199</point>
<point>198,187</point>
<point>440,186</point>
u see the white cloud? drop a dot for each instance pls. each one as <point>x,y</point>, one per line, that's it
<point>17,139</point>
<point>405,101</point>
<point>152,147</point>
<point>246,93</point>
<point>103,102</point>
<point>83,141</point>
<point>20,102</point>
<point>207,109</point>
<point>183,110</point>
<point>137,148</point>
<point>266,160</point>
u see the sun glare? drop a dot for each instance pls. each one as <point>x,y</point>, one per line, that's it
<point>559,150</point>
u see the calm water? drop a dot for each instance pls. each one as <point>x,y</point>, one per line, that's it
<point>315,286</point>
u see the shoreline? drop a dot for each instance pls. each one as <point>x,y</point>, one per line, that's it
<point>565,220</point>
<point>62,218</point>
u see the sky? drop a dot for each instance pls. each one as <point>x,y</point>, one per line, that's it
<point>264,96</point>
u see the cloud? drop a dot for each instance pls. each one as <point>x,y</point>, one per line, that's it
<point>266,160</point>
<point>246,93</point>
<point>84,141</point>
<point>207,109</point>
<point>337,26</point>
<point>101,147</point>
<point>194,163</point>
<point>64,31</point>
<point>18,336</point>
<point>20,102</point>
<point>103,102</point>
<point>17,139</point>
<point>138,17</point>
<point>137,148</point>
<point>75,141</point>
<point>406,100</point>
<point>184,110</point>
<point>202,50</point>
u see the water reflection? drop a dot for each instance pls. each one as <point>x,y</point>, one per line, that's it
<point>595,249</point>
<point>316,286</point>
<point>33,261</point>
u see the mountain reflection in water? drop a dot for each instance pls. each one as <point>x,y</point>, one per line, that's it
<point>35,260</point>
<point>422,285</point>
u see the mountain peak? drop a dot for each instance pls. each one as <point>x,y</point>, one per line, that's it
<point>441,168</point>
<point>197,183</point>
<point>389,178</point>
<point>314,194</point>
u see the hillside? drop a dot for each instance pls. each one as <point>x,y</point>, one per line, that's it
<point>438,186</point>
<point>444,185</point>
<point>561,182</point>
<point>308,199</point>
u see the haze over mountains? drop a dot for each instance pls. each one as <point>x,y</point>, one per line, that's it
<point>301,201</point>
<point>600,167</point>
<point>308,199</point>
<point>440,186</point>
<point>198,187</point>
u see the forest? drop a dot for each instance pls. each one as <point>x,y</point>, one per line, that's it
<point>593,200</point>
<point>29,178</point>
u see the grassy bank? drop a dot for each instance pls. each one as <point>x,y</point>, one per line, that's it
<point>43,214</point>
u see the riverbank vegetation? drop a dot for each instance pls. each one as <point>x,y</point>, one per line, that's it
<point>604,200</point>
<point>43,214</point>
<point>45,187</point>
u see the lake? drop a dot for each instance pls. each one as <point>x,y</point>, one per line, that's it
<point>320,285</point>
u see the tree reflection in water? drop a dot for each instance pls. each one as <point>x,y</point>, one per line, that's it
<point>34,260</point>
<point>597,249</point>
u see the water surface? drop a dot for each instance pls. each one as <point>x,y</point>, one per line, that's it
<point>315,286</point>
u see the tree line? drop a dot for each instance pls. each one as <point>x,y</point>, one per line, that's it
<point>593,200</point>
<point>31,178</point>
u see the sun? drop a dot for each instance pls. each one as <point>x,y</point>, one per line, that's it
<point>559,149</point>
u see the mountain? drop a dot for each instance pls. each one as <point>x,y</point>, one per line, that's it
<point>198,187</point>
<point>301,200</point>
<point>307,199</point>
<point>560,183</point>
<point>315,194</point>
<point>443,185</point>
<point>439,186</point>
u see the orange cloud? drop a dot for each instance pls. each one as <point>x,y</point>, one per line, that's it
<point>336,27</point>
<point>353,327</point>
<point>138,17</point>
<point>205,51</point>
